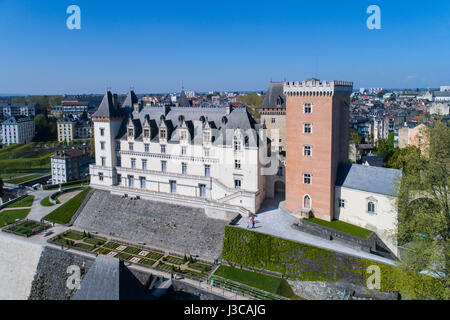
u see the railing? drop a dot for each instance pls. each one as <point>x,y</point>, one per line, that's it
<point>245,290</point>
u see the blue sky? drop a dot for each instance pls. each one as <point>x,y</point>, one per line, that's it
<point>156,46</point>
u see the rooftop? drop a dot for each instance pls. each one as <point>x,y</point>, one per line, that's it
<point>369,179</point>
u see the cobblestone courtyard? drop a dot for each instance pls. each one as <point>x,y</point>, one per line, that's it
<point>171,227</point>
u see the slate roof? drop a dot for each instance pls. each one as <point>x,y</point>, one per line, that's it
<point>195,119</point>
<point>109,279</point>
<point>108,107</point>
<point>369,179</point>
<point>17,119</point>
<point>130,100</point>
<point>274,97</point>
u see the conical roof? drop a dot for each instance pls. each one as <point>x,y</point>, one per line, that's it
<point>107,107</point>
<point>130,100</point>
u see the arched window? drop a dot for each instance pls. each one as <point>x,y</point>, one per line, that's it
<point>371,207</point>
<point>307,202</point>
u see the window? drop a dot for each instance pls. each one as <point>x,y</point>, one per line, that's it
<point>307,178</point>
<point>163,166</point>
<point>341,203</point>
<point>131,181</point>
<point>163,148</point>
<point>207,170</point>
<point>173,186</point>
<point>307,128</point>
<point>237,164</point>
<point>119,179</point>
<point>237,184</point>
<point>202,188</point>
<point>280,171</point>
<point>103,161</point>
<point>273,120</point>
<point>102,131</point>
<point>163,134</point>
<point>371,207</point>
<point>147,147</point>
<point>184,168</point>
<point>183,150</point>
<point>307,151</point>
<point>142,182</point>
<point>206,152</point>
<point>102,145</point>
<point>146,133</point>
<point>131,146</point>
<point>206,137</point>
<point>133,163</point>
<point>307,108</point>
<point>144,164</point>
<point>237,144</point>
<point>100,176</point>
<point>306,202</point>
<point>130,133</point>
<point>117,145</point>
<point>183,136</point>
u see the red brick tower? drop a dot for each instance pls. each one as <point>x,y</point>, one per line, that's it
<point>317,128</point>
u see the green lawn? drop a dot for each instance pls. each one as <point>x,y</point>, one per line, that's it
<point>6,176</point>
<point>12,215</point>
<point>25,202</point>
<point>46,202</point>
<point>343,226</point>
<point>261,281</point>
<point>25,157</point>
<point>27,178</point>
<point>65,212</point>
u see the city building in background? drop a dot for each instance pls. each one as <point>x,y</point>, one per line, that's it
<point>18,129</point>
<point>69,165</point>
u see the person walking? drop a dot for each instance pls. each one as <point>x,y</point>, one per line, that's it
<point>253,222</point>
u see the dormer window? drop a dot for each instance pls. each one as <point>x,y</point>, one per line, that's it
<point>163,134</point>
<point>130,133</point>
<point>146,133</point>
<point>183,136</point>
<point>206,137</point>
<point>237,144</point>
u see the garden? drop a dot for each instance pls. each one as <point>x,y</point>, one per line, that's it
<point>27,228</point>
<point>146,257</point>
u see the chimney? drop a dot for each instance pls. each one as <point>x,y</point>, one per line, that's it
<point>229,108</point>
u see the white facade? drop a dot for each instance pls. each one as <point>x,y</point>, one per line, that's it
<point>352,206</point>
<point>225,173</point>
<point>440,109</point>
<point>20,130</point>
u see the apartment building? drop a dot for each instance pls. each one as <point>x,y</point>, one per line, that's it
<point>70,165</point>
<point>18,129</point>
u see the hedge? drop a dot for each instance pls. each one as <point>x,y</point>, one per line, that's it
<point>298,261</point>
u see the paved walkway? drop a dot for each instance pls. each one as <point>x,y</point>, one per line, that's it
<point>37,210</point>
<point>273,221</point>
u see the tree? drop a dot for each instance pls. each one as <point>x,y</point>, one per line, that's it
<point>354,137</point>
<point>424,218</point>
<point>385,147</point>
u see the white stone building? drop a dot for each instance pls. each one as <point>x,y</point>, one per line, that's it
<point>203,156</point>
<point>18,129</point>
<point>365,196</point>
